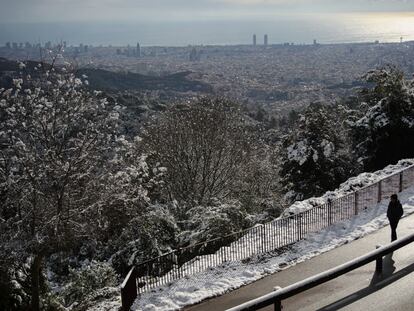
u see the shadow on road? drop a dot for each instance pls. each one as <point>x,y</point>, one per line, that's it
<point>378,281</point>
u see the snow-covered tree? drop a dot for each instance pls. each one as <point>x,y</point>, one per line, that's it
<point>384,134</point>
<point>147,235</point>
<point>133,182</point>
<point>212,221</point>
<point>312,156</point>
<point>55,138</point>
<point>83,282</point>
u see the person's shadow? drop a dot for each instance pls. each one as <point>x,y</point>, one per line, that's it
<point>378,281</point>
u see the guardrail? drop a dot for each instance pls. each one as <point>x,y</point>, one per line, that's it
<point>263,238</point>
<point>275,298</point>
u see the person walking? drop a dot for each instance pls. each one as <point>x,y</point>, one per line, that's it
<point>394,213</point>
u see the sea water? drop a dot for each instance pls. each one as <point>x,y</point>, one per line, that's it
<point>298,29</point>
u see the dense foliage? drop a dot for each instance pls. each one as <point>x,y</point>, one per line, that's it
<point>314,158</point>
<point>384,134</point>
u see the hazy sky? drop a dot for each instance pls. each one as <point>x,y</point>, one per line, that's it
<point>182,22</point>
<point>170,10</point>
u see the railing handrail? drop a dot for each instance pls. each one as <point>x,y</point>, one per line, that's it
<point>313,281</point>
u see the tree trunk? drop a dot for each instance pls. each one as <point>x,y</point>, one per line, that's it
<point>36,268</point>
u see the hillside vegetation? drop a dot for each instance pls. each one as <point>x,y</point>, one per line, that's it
<point>84,197</point>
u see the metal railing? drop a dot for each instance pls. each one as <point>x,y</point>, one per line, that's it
<point>275,298</point>
<point>272,236</point>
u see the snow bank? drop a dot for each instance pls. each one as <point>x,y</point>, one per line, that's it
<point>232,275</point>
<point>350,186</point>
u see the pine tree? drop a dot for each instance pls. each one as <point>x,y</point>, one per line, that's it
<point>385,133</point>
<point>312,156</point>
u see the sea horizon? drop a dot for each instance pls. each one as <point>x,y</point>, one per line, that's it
<point>297,29</point>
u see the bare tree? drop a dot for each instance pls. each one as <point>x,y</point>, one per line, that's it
<point>204,146</point>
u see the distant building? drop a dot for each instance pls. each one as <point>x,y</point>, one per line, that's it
<point>194,56</point>
<point>15,46</point>
<point>265,40</point>
<point>315,42</point>
<point>8,45</point>
<point>138,50</point>
<point>254,40</point>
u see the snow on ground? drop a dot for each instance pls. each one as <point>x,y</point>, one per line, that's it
<point>232,275</point>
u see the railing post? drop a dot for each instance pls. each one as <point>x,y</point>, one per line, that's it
<point>378,264</point>
<point>356,203</point>
<point>379,191</point>
<point>263,238</point>
<point>178,262</point>
<point>278,305</point>
<point>330,211</point>
<point>400,188</point>
<point>299,227</point>
<point>223,254</point>
<point>129,290</point>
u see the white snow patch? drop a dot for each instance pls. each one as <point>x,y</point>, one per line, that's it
<point>298,152</point>
<point>328,148</point>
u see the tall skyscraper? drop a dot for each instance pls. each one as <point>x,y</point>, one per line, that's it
<point>265,40</point>
<point>194,55</point>
<point>254,39</point>
<point>138,50</point>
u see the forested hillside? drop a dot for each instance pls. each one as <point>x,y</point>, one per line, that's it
<point>89,187</point>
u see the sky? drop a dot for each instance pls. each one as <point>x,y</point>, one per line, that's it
<point>184,22</point>
<point>38,11</point>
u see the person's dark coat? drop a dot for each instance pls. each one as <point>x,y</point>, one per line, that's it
<point>395,211</point>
